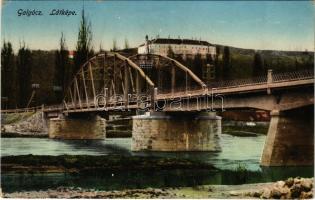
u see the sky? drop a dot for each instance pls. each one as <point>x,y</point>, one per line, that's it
<point>275,25</point>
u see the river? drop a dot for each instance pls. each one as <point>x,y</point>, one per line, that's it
<point>235,150</point>
<point>238,163</point>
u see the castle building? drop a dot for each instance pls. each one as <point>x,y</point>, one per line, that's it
<point>184,47</point>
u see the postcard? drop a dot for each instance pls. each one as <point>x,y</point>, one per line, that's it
<point>157,99</point>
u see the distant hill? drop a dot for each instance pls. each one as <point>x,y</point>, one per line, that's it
<point>243,63</point>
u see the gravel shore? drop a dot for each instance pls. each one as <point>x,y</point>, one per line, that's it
<point>214,191</point>
<point>297,188</point>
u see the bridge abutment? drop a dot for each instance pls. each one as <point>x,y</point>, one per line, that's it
<point>84,127</point>
<point>290,139</point>
<point>176,132</point>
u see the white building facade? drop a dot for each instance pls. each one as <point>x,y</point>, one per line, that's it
<point>183,47</point>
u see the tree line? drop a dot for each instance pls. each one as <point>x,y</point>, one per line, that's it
<point>29,78</point>
<point>234,63</point>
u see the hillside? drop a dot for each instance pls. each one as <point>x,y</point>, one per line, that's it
<point>242,60</point>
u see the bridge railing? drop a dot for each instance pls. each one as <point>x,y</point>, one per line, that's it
<point>178,90</point>
<point>275,78</point>
<point>259,80</point>
<point>53,107</point>
<point>187,90</point>
<point>238,82</point>
<point>291,76</point>
<point>22,110</point>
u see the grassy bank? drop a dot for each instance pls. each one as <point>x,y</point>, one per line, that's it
<point>86,163</point>
<point>14,117</point>
<point>24,135</point>
<point>23,125</point>
<point>244,130</point>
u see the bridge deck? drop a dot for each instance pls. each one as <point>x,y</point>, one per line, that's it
<point>254,85</point>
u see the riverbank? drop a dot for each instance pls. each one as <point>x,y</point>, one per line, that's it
<point>118,176</point>
<point>23,125</point>
<point>245,128</point>
<point>84,164</point>
<point>24,135</point>
<point>291,188</point>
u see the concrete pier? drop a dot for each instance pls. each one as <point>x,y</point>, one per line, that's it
<point>89,127</point>
<point>176,132</point>
<point>290,139</point>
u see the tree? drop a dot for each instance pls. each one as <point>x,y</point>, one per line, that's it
<point>218,66</point>
<point>226,62</point>
<point>258,65</point>
<point>101,48</point>
<point>296,63</point>
<point>63,71</point>
<point>209,59</point>
<point>8,75</point>
<point>84,48</point>
<point>179,58</point>
<point>126,46</point>
<point>24,68</point>
<point>197,66</point>
<point>170,52</point>
<point>115,48</point>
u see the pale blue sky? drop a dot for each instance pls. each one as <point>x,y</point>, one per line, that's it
<point>282,25</point>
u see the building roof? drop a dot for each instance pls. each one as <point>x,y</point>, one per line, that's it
<point>178,41</point>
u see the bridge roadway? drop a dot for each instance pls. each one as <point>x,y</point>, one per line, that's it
<point>193,95</point>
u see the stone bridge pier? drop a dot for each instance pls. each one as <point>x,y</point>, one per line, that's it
<point>290,139</point>
<point>77,126</point>
<point>177,131</point>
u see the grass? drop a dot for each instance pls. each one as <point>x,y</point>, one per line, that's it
<point>15,117</point>
<point>258,129</point>
<point>241,168</point>
<point>109,162</point>
<point>241,173</point>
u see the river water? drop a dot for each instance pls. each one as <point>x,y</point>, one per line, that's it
<point>237,152</point>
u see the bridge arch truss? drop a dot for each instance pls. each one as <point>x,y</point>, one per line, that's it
<point>167,73</point>
<point>112,77</point>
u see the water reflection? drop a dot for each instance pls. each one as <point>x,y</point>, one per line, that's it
<point>101,147</point>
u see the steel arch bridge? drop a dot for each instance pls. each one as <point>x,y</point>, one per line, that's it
<point>111,78</point>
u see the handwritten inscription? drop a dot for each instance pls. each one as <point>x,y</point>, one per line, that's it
<point>62,12</point>
<point>53,12</point>
<point>29,12</point>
